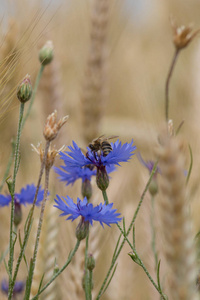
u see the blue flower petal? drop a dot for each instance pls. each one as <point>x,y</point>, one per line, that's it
<point>102,213</point>
<point>4,200</point>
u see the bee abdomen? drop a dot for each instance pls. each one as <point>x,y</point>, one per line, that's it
<point>106,148</point>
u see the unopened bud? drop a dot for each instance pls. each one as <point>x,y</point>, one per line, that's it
<point>82,230</point>
<point>46,53</point>
<point>90,262</point>
<point>24,90</point>
<point>153,187</point>
<point>17,213</point>
<point>102,178</point>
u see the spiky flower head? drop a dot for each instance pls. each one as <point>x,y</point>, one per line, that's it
<point>26,196</point>
<point>46,53</point>
<point>52,126</point>
<point>102,213</point>
<point>75,161</point>
<point>24,90</point>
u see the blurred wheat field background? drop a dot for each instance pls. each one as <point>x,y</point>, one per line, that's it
<point>137,50</point>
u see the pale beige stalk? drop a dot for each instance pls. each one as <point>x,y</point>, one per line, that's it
<point>176,223</point>
<point>51,233</point>
<point>94,87</point>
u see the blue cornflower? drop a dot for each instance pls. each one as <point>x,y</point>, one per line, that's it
<point>77,160</point>
<point>102,213</point>
<point>71,174</point>
<point>18,287</point>
<point>148,164</point>
<point>153,187</point>
<point>26,196</point>
<point>119,153</point>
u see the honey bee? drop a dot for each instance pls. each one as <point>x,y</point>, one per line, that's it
<point>101,144</point>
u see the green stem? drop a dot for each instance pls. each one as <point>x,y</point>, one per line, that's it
<point>168,82</point>
<point>128,231</point>
<point>34,93</point>
<point>12,192</point>
<point>23,123</point>
<point>72,253</point>
<point>139,261</point>
<point>30,217</point>
<point>10,160</point>
<point>87,284</point>
<point>153,241</point>
<point>105,197</point>
<point>33,261</point>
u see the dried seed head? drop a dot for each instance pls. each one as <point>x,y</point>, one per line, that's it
<point>24,90</point>
<point>51,155</point>
<point>52,127</point>
<point>183,35</point>
<point>46,53</point>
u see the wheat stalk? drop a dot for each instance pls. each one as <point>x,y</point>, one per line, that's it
<point>94,86</point>
<point>176,222</point>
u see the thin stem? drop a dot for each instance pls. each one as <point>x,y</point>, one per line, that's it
<point>72,253</point>
<point>139,261</point>
<point>168,82</point>
<point>10,160</point>
<point>33,262</point>
<point>12,192</point>
<point>153,241</point>
<point>23,123</point>
<point>27,232</point>
<point>87,287</point>
<point>128,231</point>
<point>105,197</point>
<point>34,93</point>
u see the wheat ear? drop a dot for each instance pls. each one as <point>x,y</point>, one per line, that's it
<point>176,222</point>
<point>94,86</point>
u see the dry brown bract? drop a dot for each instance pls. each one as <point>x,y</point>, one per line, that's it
<point>52,127</point>
<point>51,154</point>
<point>183,35</point>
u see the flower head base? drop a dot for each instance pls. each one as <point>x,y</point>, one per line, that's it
<point>52,127</point>
<point>102,213</point>
<point>183,35</point>
<point>18,288</point>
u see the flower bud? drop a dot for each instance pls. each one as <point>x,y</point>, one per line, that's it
<point>82,230</point>
<point>90,262</point>
<point>46,53</point>
<point>86,189</point>
<point>56,269</point>
<point>17,213</point>
<point>24,90</point>
<point>102,178</point>
<point>153,187</point>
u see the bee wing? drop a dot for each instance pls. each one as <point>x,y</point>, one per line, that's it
<point>111,137</point>
<point>99,138</point>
